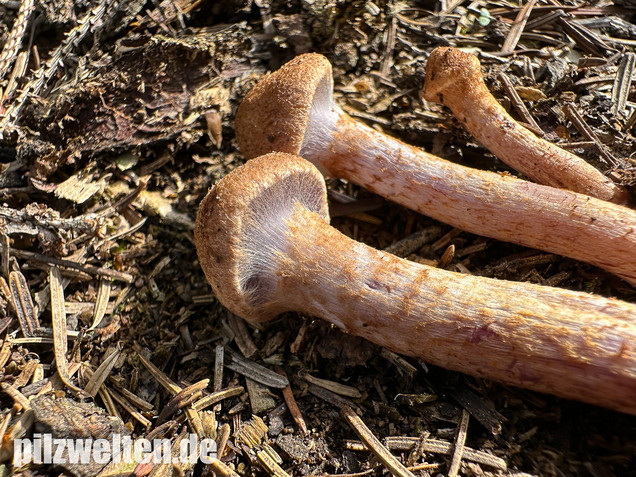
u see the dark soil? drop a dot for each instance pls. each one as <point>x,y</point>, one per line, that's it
<point>103,166</point>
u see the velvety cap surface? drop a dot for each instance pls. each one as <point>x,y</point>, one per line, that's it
<point>274,114</point>
<point>449,68</point>
<point>240,225</point>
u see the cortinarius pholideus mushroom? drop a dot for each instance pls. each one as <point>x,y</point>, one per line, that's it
<point>292,110</point>
<point>265,244</point>
<point>453,78</point>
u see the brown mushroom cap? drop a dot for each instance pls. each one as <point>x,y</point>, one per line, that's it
<point>449,68</point>
<point>240,227</point>
<point>274,114</point>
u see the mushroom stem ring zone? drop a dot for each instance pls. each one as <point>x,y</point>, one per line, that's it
<point>292,110</point>
<point>266,247</point>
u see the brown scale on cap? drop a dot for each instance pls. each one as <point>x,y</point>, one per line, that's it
<point>292,110</point>
<point>453,78</point>
<point>265,244</point>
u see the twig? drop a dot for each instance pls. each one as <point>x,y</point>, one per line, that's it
<point>588,41</point>
<point>218,396</point>
<point>184,398</point>
<point>19,398</point>
<point>437,446</point>
<point>131,410</point>
<point>517,28</point>
<point>101,374</point>
<point>622,83</point>
<point>60,340</point>
<point>172,387</point>
<point>294,410</point>
<point>391,463</point>
<point>255,371</point>
<point>89,269</point>
<point>414,242</point>
<point>517,102</point>
<point>579,123</point>
<point>460,439</point>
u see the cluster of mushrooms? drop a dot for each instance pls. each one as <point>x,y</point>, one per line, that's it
<point>265,244</point>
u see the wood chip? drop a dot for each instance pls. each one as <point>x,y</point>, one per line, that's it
<point>26,374</point>
<point>219,358</point>
<point>5,353</point>
<point>479,409</point>
<point>5,247</point>
<point>80,187</point>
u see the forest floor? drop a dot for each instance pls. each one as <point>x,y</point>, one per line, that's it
<point>117,117</point>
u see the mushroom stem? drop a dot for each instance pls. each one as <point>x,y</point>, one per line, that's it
<point>454,78</point>
<point>571,344</point>
<point>293,111</point>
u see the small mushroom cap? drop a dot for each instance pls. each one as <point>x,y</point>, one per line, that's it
<point>449,69</point>
<point>240,229</point>
<point>274,114</point>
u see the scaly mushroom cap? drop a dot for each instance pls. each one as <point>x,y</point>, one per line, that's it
<point>240,229</point>
<point>274,114</point>
<point>449,68</point>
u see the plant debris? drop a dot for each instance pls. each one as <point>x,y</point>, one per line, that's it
<point>117,117</point>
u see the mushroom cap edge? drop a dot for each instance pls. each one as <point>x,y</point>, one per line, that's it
<point>273,116</point>
<point>219,226</point>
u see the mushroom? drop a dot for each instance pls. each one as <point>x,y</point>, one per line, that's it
<point>292,110</point>
<point>453,78</point>
<point>265,244</point>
